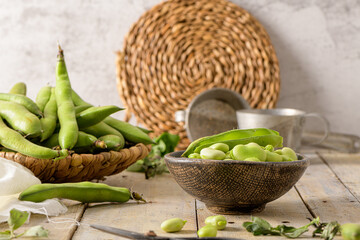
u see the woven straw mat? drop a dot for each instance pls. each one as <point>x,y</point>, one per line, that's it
<point>80,167</point>
<point>180,48</point>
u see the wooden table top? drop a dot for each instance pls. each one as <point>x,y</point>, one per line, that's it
<point>330,189</point>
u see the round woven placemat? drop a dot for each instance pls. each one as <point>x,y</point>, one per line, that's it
<point>80,167</point>
<point>180,48</point>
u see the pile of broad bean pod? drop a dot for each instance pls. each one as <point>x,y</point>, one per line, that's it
<point>59,122</point>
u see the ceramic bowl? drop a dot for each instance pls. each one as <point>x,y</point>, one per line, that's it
<point>235,187</point>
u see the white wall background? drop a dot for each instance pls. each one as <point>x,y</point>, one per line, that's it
<point>317,43</point>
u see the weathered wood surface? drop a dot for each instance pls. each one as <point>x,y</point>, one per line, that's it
<point>330,189</point>
<point>165,200</point>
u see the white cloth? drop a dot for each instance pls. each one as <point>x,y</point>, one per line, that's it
<point>15,178</point>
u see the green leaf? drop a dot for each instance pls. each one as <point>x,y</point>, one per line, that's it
<point>261,222</point>
<point>330,230</point>
<point>17,219</point>
<point>36,231</point>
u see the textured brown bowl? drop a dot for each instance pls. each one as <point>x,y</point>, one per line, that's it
<point>235,187</point>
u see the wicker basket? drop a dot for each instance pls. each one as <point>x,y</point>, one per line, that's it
<point>80,167</point>
<point>180,48</point>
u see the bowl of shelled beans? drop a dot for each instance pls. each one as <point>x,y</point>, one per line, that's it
<point>238,171</point>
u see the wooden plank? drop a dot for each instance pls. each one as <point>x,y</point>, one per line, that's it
<point>326,196</point>
<point>165,200</point>
<point>63,231</point>
<point>347,168</point>
<point>288,209</point>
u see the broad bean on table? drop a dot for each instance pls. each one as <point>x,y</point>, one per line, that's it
<point>173,225</point>
<point>207,231</point>
<point>217,221</point>
<point>85,192</point>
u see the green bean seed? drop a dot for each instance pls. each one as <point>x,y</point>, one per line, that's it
<point>217,221</point>
<point>207,231</point>
<point>68,133</point>
<point>194,155</point>
<point>250,150</point>
<point>43,97</point>
<point>272,157</point>
<point>238,136</point>
<point>18,88</point>
<point>220,146</point>
<point>209,153</point>
<point>85,192</point>
<point>269,148</point>
<point>289,152</point>
<point>350,231</point>
<point>173,225</point>
<point>20,118</point>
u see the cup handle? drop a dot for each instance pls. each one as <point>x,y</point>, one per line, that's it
<point>180,116</point>
<point>326,127</point>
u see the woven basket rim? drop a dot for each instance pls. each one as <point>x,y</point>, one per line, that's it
<point>80,167</point>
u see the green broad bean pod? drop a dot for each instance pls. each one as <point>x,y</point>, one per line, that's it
<point>20,118</point>
<point>101,129</point>
<point>43,97</point>
<point>13,140</point>
<point>79,109</point>
<point>113,142</point>
<point>94,115</point>
<point>274,140</point>
<point>48,122</point>
<point>78,101</point>
<point>232,135</point>
<point>130,132</point>
<point>85,192</point>
<point>84,141</point>
<point>22,100</point>
<point>68,133</point>
<point>18,88</point>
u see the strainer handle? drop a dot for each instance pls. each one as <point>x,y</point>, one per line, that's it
<point>326,127</point>
<point>180,116</point>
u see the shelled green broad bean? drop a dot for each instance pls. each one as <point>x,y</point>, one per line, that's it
<point>60,122</point>
<point>253,145</point>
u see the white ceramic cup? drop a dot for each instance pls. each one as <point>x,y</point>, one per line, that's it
<point>287,121</point>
